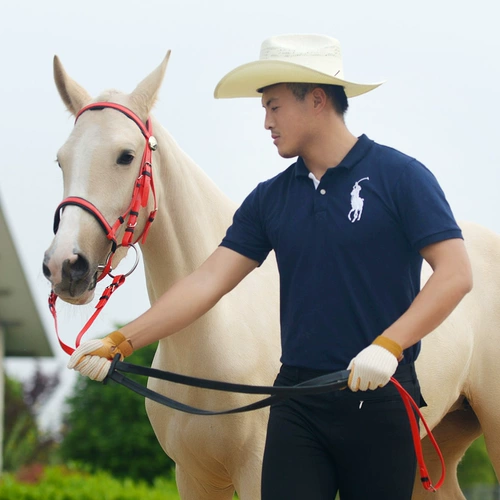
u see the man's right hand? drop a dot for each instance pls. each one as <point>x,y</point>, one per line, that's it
<point>93,358</point>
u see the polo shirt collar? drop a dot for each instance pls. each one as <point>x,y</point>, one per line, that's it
<point>354,156</point>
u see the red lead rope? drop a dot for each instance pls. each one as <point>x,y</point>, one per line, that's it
<point>108,291</point>
<point>410,405</point>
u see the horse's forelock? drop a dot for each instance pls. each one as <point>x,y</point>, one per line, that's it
<point>110,95</point>
<point>137,105</point>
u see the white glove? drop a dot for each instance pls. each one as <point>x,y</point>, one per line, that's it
<point>93,358</point>
<point>375,365</point>
<point>94,367</point>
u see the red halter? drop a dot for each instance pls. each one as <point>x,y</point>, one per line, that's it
<point>140,195</point>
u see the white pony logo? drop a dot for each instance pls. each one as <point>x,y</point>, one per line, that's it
<point>356,202</point>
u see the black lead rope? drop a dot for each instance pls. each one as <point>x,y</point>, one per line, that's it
<point>318,385</point>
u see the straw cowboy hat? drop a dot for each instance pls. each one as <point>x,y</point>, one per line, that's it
<point>293,59</point>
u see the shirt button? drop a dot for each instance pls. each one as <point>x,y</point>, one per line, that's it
<point>322,191</point>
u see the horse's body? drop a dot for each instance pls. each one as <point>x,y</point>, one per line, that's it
<point>458,367</point>
<point>238,340</point>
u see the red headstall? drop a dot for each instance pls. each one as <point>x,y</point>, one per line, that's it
<point>140,196</point>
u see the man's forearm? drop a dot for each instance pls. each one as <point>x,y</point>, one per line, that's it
<point>181,305</point>
<point>189,298</point>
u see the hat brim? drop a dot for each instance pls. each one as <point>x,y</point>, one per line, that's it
<point>244,80</point>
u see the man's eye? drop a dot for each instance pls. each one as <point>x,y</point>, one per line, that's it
<point>275,108</point>
<point>125,159</point>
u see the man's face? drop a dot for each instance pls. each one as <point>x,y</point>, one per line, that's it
<point>287,119</point>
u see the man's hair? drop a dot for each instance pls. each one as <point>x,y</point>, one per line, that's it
<point>335,93</point>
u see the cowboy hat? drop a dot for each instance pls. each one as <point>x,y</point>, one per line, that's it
<point>291,59</point>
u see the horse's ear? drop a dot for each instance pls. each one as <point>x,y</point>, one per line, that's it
<point>73,95</point>
<point>144,96</point>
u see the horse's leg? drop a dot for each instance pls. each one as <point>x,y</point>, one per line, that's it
<point>191,488</point>
<point>487,408</point>
<point>454,434</point>
<point>491,433</point>
<point>248,477</point>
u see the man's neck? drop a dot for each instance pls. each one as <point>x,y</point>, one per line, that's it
<point>329,149</point>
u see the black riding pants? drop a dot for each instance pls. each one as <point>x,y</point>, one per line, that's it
<point>356,443</point>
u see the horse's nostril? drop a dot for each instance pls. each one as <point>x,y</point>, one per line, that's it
<point>80,267</point>
<point>46,271</point>
<point>75,268</point>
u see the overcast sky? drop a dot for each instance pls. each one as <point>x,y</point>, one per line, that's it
<point>440,103</point>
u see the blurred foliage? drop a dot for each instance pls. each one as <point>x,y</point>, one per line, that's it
<point>106,428</point>
<point>23,442</point>
<point>67,483</point>
<point>475,467</point>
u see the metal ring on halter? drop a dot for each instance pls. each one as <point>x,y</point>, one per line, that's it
<point>110,256</point>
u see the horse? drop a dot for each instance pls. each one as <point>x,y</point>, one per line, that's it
<point>238,340</point>
<point>458,368</point>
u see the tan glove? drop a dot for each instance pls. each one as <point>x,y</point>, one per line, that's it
<point>93,358</point>
<point>375,365</point>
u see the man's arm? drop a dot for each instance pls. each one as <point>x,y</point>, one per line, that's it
<point>176,309</point>
<point>450,281</point>
<point>190,298</point>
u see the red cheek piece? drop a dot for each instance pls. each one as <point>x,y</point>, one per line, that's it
<point>146,180</point>
<point>145,194</point>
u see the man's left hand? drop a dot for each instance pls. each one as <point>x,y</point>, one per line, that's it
<point>375,365</point>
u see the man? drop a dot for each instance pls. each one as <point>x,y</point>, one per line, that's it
<point>350,222</point>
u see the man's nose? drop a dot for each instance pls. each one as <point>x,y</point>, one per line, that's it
<point>268,124</point>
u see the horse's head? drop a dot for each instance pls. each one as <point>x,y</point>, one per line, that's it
<point>100,162</point>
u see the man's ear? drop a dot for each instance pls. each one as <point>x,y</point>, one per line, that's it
<point>319,98</point>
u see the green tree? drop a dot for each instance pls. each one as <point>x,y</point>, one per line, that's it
<point>106,428</point>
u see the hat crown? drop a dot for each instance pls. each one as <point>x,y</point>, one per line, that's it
<point>318,52</point>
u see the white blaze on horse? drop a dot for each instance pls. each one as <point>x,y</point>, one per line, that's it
<point>238,340</point>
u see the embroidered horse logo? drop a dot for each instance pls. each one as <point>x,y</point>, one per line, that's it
<point>356,202</point>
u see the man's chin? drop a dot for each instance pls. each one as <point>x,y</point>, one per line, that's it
<point>287,154</point>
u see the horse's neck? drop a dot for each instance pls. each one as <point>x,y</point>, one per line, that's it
<point>192,220</point>
<point>193,215</point>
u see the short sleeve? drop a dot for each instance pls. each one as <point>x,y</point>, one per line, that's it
<point>425,213</point>
<point>246,235</point>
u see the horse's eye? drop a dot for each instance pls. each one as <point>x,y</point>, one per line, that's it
<point>125,159</point>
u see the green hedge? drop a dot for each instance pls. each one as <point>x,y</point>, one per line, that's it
<point>63,483</point>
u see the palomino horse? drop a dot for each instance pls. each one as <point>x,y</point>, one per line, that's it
<point>238,340</point>
<point>458,368</point>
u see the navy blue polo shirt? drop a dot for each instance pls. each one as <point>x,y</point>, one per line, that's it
<point>347,251</point>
